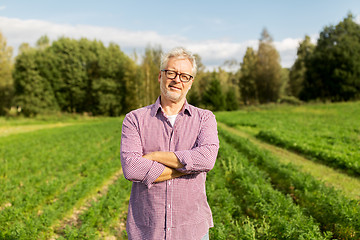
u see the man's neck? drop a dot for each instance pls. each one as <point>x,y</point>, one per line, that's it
<point>171,108</point>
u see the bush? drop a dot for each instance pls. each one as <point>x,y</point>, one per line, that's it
<point>289,100</point>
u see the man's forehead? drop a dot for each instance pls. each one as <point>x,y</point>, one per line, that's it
<point>183,60</point>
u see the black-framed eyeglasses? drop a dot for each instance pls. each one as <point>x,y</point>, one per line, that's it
<point>184,77</point>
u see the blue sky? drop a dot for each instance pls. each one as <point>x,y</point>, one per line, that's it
<point>216,30</point>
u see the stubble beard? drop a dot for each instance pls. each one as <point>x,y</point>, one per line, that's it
<point>172,96</point>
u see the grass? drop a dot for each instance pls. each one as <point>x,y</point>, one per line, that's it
<point>20,124</point>
<point>46,173</point>
<point>57,176</point>
<point>350,186</point>
<point>328,133</point>
<point>335,212</point>
<point>250,208</point>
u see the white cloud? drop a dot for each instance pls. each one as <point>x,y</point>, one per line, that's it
<point>213,52</point>
<point>287,44</point>
<point>2,8</point>
<point>287,49</point>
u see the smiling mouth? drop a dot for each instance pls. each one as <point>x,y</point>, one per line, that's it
<point>174,88</point>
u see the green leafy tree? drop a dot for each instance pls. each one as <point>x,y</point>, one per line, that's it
<point>298,70</point>
<point>33,93</point>
<point>103,78</point>
<point>70,86</point>
<point>193,97</point>
<point>24,47</point>
<point>6,81</point>
<point>231,100</point>
<point>334,67</point>
<point>81,75</point>
<point>247,82</point>
<point>200,80</point>
<point>284,88</point>
<point>229,81</point>
<point>134,82</point>
<point>43,42</point>
<point>268,70</point>
<point>213,97</point>
<point>150,65</point>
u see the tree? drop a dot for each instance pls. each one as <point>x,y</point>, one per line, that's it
<point>70,84</point>
<point>6,81</point>
<point>150,65</point>
<point>134,82</point>
<point>33,93</point>
<point>213,97</point>
<point>298,70</point>
<point>76,76</point>
<point>200,80</point>
<point>247,82</point>
<point>23,48</point>
<point>268,70</point>
<point>334,67</point>
<point>43,42</point>
<point>284,88</point>
<point>231,100</point>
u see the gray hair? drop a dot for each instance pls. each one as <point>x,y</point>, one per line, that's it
<point>179,53</point>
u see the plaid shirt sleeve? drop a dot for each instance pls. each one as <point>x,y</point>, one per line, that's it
<point>135,167</point>
<point>202,157</point>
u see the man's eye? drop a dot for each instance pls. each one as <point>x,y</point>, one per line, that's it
<point>171,74</point>
<point>185,77</point>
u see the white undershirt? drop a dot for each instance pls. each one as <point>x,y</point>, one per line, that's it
<point>172,119</point>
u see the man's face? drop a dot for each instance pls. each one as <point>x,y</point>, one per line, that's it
<point>173,89</point>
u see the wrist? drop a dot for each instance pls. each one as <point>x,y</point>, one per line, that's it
<point>150,156</point>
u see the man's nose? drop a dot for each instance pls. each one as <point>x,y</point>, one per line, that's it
<point>177,78</point>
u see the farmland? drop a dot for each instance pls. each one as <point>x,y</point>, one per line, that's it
<point>329,133</point>
<point>48,174</point>
<point>64,180</point>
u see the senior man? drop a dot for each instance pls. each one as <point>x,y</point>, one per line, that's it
<point>166,150</point>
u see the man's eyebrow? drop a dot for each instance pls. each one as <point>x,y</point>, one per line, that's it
<point>177,71</point>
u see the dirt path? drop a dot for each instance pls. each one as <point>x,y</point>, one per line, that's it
<point>72,219</point>
<point>6,131</point>
<point>350,186</point>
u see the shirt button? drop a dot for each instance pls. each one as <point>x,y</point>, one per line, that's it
<point>169,206</point>
<point>168,229</point>
<point>169,183</point>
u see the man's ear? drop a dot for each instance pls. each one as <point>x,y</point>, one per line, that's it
<point>159,77</point>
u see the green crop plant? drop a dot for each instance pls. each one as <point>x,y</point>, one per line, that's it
<point>49,172</point>
<point>254,210</point>
<point>323,132</point>
<point>329,207</point>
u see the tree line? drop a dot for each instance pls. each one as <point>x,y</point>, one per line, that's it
<point>84,76</point>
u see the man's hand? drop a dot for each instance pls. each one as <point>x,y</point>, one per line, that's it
<point>169,173</point>
<point>169,159</point>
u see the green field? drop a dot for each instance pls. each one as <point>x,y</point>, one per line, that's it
<point>63,180</point>
<point>329,133</point>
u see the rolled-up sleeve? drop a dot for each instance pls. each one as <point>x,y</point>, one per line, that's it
<point>135,167</point>
<point>202,157</point>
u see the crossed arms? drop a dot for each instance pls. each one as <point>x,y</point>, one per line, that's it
<point>161,166</point>
<point>171,163</point>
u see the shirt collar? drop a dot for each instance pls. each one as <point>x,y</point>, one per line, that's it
<point>157,108</point>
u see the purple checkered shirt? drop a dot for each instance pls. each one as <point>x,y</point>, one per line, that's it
<point>177,208</point>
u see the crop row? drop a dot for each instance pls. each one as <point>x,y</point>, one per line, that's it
<point>348,159</point>
<point>246,206</point>
<point>334,212</point>
<point>329,133</point>
<point>104,218</point>
<point>45,174</point>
